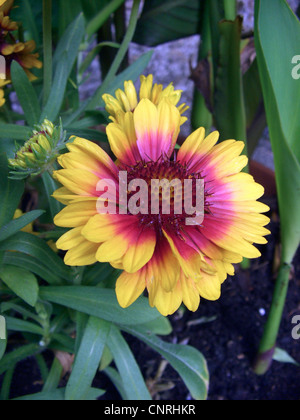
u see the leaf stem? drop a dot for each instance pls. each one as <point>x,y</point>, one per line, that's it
<point>268,342</point>
<point>47,33</point>
<point>230,9</point>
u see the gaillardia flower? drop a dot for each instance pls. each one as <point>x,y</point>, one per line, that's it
<point>158,250</point>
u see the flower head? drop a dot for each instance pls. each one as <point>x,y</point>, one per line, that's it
<point>157,250</point>
<point>127,100</point>
<point>39,152</point>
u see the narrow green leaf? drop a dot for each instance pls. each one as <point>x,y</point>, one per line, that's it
<point>116,379</point>
<point>59,395</point>
<point>19,325</point>
<point>54,377</point>
<point>88,359</point>
<point>15,356</point>
<point>6,384</point>
<point>26,94</point>
<point>68,46</point>
<point>23,283</point>
<point>50,186</point>
<point>28,17</point>
<point>57,94</point>
<point>37,248</point>
<point>133,382</point>
<point>10,193</point>
<point>187,361</point>
<point>15,132</point>
<point>32,264</point>
<point>96,23</point>
<point>16,225</point>
<point>160,326</point>
<point>101,303</point>
<point>3,336</point>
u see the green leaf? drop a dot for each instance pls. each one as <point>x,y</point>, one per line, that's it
<point>160,326</point>
<point>15,132</point>
<point>3,336</point>
<point>57,94</point>
<point>282,102</point>
<point>167,21</point>
<point>50,186</point>
<point>54,376</point>
<point>23,283</point>
<point>116,379</point>
<point>68,46</point>
<point>88,359</point>
<point>15,356</point>
<point>32,264</point>
<point>133,382</point>
<point>16,225</point>
<point>187,361</point>
<point>26,94</point>
<point>282,356</point>
<point>28,19</point>
<point>59,395</point>
<point>37,248</point>
<point>101,303</point>
<point>10,193</point>
<point>15,324</point>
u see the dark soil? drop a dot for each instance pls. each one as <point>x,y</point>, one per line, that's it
<point>229,342</point>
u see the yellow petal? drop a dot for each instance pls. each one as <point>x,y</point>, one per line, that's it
<point>140,252</point>
<point>112,250</point>
<point>190,294</point>
<point>71,239</point>
<point>82,255</point>
<point>78,181</point>
<point>76,214</point>
<point>209,286</point>
<point>129,287</point>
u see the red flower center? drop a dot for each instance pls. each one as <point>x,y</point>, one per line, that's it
<point>166,194</point>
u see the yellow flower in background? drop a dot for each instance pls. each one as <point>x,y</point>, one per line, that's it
<point>3,83</point>
<point>11,48</point>
<point>6,6</point>
<point>29,229</point>
<point>127,100</point>
<point>157,251</point>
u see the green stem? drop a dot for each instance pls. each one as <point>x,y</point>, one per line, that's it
<point>268,342</point>
<point>124,46</point>
<point>230,9</point>
<point>102,17</point>
<point>47,31</point>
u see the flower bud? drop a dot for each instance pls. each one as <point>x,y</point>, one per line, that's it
<point>39,153</point>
